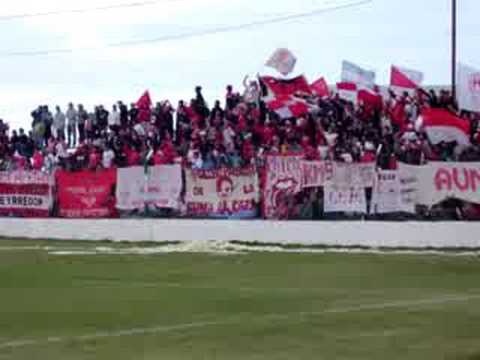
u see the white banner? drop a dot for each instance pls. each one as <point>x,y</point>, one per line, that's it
<point>161,187</point>
<point>439,181</point>
<point>392,193</point>
<point>323,173</point>
<point>468,88</point>
<point>25,193</point>
<point>345,199</point>
<point>224,193</point>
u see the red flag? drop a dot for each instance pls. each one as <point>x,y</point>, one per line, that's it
<point>289,87</point>
<point>405,78</point>
<point>320,87</point>
<point>280,95</point>
<point>372,100</point>
<point>443,126</point>
<point>145,101</point>
<point>86,194</point>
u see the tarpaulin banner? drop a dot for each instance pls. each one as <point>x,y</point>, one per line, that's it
<point>224,193</point>
<point>324,173</point>
<point>439,181</point>
<point>86,194</point>
<point>345,199</point>
<point>25,194</point>
<point>393,193</point>
<point>159,187</point>
<point>283,180</point>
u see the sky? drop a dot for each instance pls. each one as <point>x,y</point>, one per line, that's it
<point>376,34</point>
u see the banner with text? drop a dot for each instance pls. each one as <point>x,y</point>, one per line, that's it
<point>86,194</point>
<point>345,199</point>
<point>160,187</point>
<point>224,193</point>
<point>283,180</point>
<point>439,181</point>
<point>324,173</point>
<point>393,193</point>
<point>25,194</point>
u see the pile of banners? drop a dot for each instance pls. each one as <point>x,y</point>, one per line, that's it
<point>236,193</point>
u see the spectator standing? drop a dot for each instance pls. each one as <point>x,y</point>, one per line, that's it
<point>114,119</point>
<point>82,117</point>
<point>72,121</point>
<point>59,123</point>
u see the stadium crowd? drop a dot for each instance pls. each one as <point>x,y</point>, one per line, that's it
<point>237,134</point>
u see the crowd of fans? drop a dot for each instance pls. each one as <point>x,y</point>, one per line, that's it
<point>234,135</point>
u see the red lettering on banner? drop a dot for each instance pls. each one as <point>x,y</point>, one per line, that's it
<point>475,179</point>
<point>199,208</point>
<point>460,179</point>
<point>456,179</point>
<point>443,179</point>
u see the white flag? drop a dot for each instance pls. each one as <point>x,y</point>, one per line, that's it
<point>283,61</point>
<point>355,74</point>
<point>468,88</point>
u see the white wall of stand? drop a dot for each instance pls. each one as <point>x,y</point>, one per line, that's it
<point>344,234</point>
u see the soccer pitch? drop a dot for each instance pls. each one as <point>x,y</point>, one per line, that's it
<point>240,306</point>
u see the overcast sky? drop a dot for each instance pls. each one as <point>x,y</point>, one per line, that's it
<point>409,33</point>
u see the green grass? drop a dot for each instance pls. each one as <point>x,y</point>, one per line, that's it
<point>255,306</point>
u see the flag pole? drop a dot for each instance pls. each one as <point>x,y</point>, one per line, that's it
<point>454,48</point>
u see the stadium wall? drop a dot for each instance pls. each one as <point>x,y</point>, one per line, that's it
<point>334,234</point>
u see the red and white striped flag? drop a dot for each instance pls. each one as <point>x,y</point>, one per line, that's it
<point>348,91</point>
<point>405,78</point>
<point>282,97</point>
<point>443,126</point>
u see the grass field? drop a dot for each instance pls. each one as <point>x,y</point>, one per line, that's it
<point>254,306</point>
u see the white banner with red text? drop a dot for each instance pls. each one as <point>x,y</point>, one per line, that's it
<point>224,193</point>
<point>25,194</point>
<point>160,186</point>
<point>439,181</point>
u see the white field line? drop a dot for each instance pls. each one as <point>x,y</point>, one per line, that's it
<point>268,317</point>
<point>225,248</point>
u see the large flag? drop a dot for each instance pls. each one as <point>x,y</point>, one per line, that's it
<point>283,61</point>
<point>468,88</point>
<point>352,73</point>
<point>320,88</point>
<point>405,78</point>
<point>281,95</point>
<point>443,126</point>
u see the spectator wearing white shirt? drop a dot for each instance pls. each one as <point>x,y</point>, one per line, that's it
<point>114,119</point>
<point>107,158</point>
<point>59,123</point>
<point>72,120</point>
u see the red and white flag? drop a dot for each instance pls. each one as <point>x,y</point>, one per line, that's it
<point>468,88</point>
<point>443,126</point>
<point>405,78</point>
<point>320,88</point>
<point>283,96</point>
<point>348,91</point>
<point>283,61</point>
